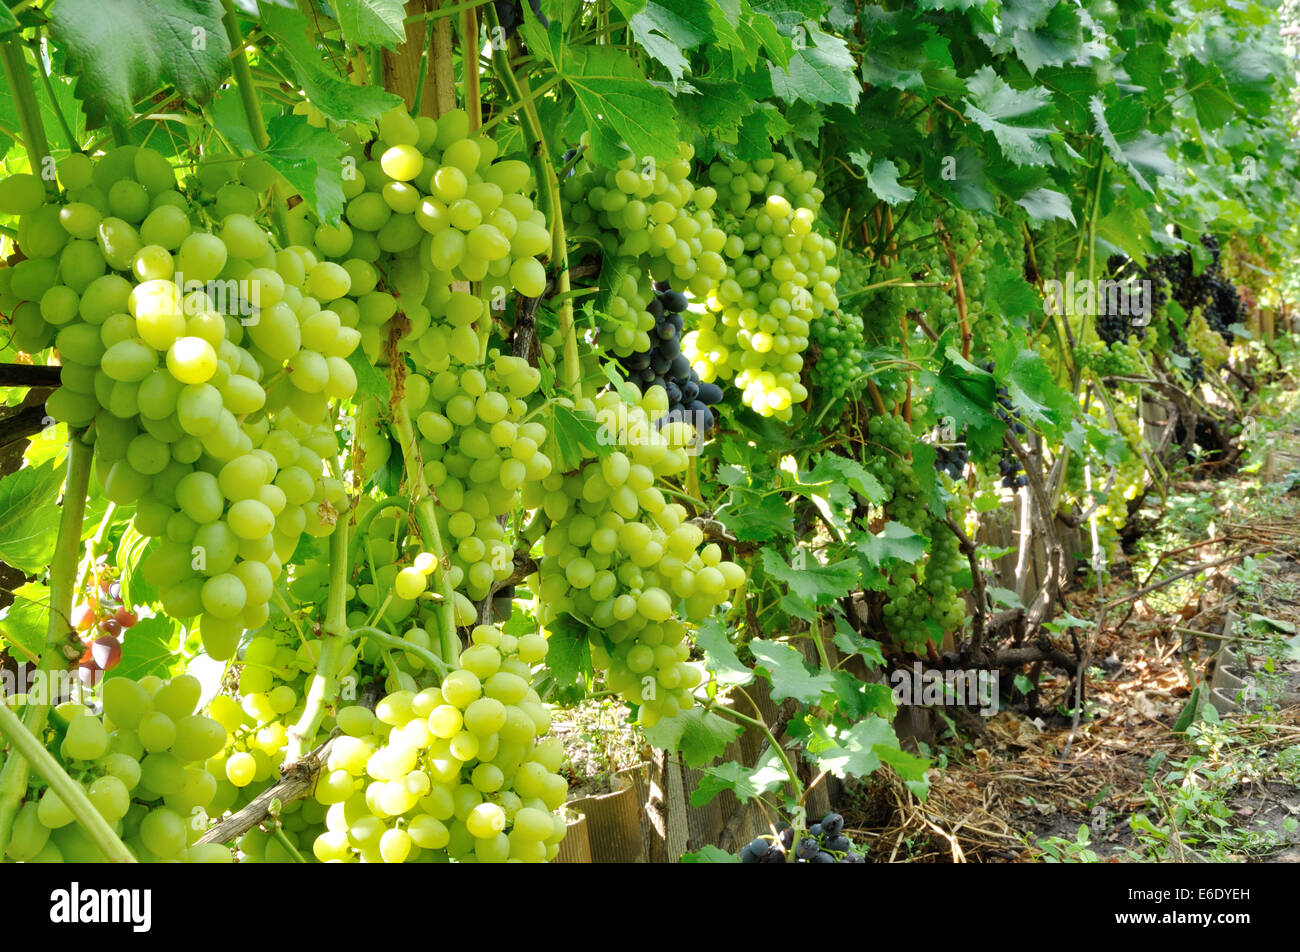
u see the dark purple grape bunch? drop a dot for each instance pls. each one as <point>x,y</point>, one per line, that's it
<point>1008,413</point>
<point>664,364</point>
<point>825,843</point>
<point>510,14</point>
<point>951,458</point>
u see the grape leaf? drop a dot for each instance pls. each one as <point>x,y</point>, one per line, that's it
<point>334,96</point>
<point>308,158</point>
<point>8,22</point>
<point>148,648</point>
<point>615,98</point>
<point>784,667</point>
<point>912,770</point>
<point>856,752</point>
<point>719,656</point>
<point>665,28</point>
<point>882,179</point>
<point>1045,205</point>
<point>745,782</point>
<point>369,380</point>
<point>1017,119</point>
<point>29,516</point>
<point>895,542</point>
<point>568,655</point>
<point>823,71</point>
<point>856,699</point>
<point>710,854</point>
<point>23,624</point>
<point>1122,128</point>
<point>1029,381</point>
<point>122,50</point>
<point>816,584</point>
<point>371,22</point>
<point>840,470</point>
<point>699,735</point>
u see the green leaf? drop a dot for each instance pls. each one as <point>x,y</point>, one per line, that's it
<point>1018,119</point>
<point>882,178</point>
<point>816,584</point>
<point>894,543</point>
<point>719,655</point>
<point>369,380</point>
<point>576,436</point>
<point>835,469</point>
<point>334,96</point>
<point>149,648</point>
<point>856,752</point>
<point>1045,205</point>
<point>1123,130</point>
<point>699,735</point>
<point>614,96</point>
<point>857,699</point>
<point>665,28</point>
<point>29,516</point>
<point>784,667</point>
<point>851,643</point>
<point>309,160</point>
<point>122,50</point>
<point>568,656</point>
<point>1005,597</point>
<point>371,22</point>
<point>23,624</point>
<point>822,72</point>
<point>912,770</point>
<point>745,782</point>
<point>8,22</point>
<point>1029,380</point>
<point>710,854</point>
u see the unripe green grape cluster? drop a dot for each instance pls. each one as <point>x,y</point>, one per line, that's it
<point>843,361</point>
<point>429,204</point>
<point>615,552</point>
<point>780,279</point>
<point>921,599</point>
<point>459,772</point>
<point>205,363</point>
<point>141,764</point>
<point>652,222</point>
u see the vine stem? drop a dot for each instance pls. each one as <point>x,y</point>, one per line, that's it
<point>63,570</point>
<point>324,686</point>
<point>469,58</point>
<point>392,641</point>
<point>549,182</point>
<point>33,752</point>
<point>54,102</point>
<point>14,65</point>
<point>252,108</point>
<point>767,732</point>
<point>427,522</point>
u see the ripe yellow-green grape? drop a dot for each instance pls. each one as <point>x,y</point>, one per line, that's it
<point>461,771</point>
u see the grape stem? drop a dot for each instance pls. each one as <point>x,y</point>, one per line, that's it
<point>771,738</point>
<point>63,569</point>
<point>958,289</point>
<point>426,521</point>
<point>549,183</point>
<point>16,73</point>
<point>324,686</point>
<point>392,641</point>
<point>33,752</point>
<point>469,59</point>
<point>49,92</point>
<point>252,108</point>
